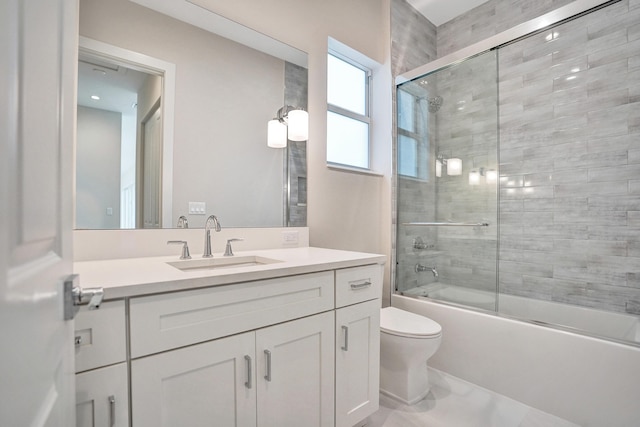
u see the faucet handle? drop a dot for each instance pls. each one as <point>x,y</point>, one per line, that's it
<point>229,251</point>
<point>185,248</point>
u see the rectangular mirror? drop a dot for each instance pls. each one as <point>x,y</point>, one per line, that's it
<point>198,151</point>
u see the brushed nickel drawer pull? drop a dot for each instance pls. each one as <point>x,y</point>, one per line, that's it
<point>248,384</point>
<point>365,284</point>
<point>345,330</point>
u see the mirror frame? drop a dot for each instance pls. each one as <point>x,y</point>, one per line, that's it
<point>148,64</point>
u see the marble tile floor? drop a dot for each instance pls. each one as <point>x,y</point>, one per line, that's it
<point>453,402</point>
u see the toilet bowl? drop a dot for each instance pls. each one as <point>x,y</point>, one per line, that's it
<point>407,340</point>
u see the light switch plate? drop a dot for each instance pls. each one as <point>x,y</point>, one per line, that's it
<point>290,237</point>
<point>197,208</point>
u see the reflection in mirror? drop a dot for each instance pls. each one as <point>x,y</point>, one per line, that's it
<point>119,145</point>
<point>225,93</point>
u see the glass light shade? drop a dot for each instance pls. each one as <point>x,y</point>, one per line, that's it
<point>491,176</point>
<point>474,177</point>
<point>276,134</point>
<point>454,166</point>
<point>298,123</point>
<point>438,168</point>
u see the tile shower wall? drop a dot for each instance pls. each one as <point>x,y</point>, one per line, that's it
<point>467,129</point>
<point>295,188</point>
<point>489,19</point>
<point>413,44</point>
<point>569,195</point>
<point>570,162</point>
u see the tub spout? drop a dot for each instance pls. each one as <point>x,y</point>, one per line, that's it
<point>421,268</point>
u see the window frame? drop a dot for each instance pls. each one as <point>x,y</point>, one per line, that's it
<point>363,118</point>
<point>422,171</point>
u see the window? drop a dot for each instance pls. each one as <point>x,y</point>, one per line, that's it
<point>412,136</point>
<point>348,117</point>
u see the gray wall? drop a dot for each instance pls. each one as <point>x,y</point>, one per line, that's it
<point>295,188</point>
<point>98,168</point>
<point>488,19</point>
<point>570,162</point>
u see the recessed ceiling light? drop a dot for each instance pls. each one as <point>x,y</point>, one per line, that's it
<point>95,97</point>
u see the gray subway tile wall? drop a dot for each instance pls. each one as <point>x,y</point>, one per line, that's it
<point>572,140</point>
<point>569,133</point>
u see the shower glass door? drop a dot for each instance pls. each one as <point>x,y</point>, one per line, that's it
<point>447,172</point>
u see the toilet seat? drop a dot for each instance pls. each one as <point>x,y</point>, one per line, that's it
<point>406,324</point>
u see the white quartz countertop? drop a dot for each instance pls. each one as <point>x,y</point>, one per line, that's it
<point>143,276</point>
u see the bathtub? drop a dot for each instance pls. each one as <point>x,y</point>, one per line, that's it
<point>584,379</point>
<point>617,326</point>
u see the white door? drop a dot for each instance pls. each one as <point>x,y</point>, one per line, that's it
<point>152,171</point>
<point>209,384</point>
<point>357,362</point>
<point>38,47</point>
<point>295,373</point>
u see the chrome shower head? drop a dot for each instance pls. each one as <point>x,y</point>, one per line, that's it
<point>435,103</point>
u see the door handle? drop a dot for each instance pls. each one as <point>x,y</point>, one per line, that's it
<point>75,296</point>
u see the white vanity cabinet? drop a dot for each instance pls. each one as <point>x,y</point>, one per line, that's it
<point>276,376</point>
<point>357,336</point>
<point>102,398</point>
<point>296,349</point>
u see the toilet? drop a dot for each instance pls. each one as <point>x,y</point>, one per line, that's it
<point>407,340</point>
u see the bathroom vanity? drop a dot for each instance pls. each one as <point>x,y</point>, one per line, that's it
<point>283,337</point>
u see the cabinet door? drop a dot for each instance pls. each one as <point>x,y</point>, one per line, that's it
<point>212,383</point>
<point>357,362</point>
<point>102,398</point>
<point>295,373</point>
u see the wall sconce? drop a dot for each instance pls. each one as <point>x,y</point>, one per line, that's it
<point>290,123</point>
<point>453,164</point>
<point>474,177</point>
<point>490,176</point>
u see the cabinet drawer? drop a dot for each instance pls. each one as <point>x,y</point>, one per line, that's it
<point>357,284</point>
<point>162,322</point>
<point>100,336</point>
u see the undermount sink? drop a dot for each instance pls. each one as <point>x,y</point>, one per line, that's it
<point>220,263</point>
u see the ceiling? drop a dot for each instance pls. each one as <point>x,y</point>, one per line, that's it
<point>441,11</point>
<point>116,86</point>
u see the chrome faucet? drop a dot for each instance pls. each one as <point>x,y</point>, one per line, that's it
<point>212,220</point>
<point>421,268</point>
<point>183,222</point>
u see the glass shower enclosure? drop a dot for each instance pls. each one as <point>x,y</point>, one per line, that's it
<point>447,235</point>
<point>518,177</point>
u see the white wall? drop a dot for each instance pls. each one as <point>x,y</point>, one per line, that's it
<point>345,210</point>
<point>588,381</point>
